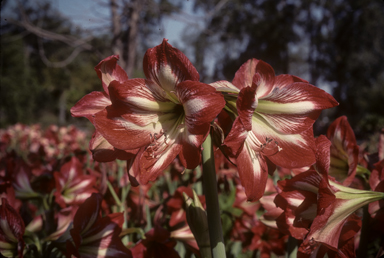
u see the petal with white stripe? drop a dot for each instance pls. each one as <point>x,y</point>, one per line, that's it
<point>108,70</point>
<point>168,66</point>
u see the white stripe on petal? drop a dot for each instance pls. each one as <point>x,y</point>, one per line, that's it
<point>270,107</point>
<point>149,105</point>
<point>194,106</point>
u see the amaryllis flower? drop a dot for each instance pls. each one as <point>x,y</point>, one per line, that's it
<point>107,70</point>
<point>273,116</point>
<point>319,210</point>
<point>344,151</point>
<point>376,181</point>
<point>96,236</point>
<point>165,115</point>
<point>11,231</point>
<point>72,185</point>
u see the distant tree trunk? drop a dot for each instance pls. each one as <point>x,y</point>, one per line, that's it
<point>117,43</point>
<point>132,35</point>
<point>127,48</point>
<point>63,107</point>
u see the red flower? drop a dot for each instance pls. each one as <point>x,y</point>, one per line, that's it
<point>96,236</point>
<point>11,231</point>
<point>344,151</point>
<point>72,186</point>
<point>107,70</point>
<point>166,115</point>
<point>274,118</point>
<point>319,210</point>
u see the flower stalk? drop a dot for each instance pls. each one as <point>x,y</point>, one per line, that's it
<point>212,201</point>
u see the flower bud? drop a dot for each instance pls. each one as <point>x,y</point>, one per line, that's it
<point>198,223</point>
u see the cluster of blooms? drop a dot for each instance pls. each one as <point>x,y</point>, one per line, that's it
<point>276,181</point>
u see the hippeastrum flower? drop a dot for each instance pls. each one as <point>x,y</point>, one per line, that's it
<point>376,181</point>
<point>107,70</point>
<point>273,119</point>
<point>96,236</point>
<point>322,205</point>
<point>11,231</point>
<point>165,115</point>
<point>344,151</point>
<point>72,186</point>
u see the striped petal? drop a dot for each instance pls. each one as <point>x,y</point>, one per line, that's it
<point>168,66</point>
<point>253,172</point>
<point>149,163</point>
<point>90,104</point>
<point>103,151</point>
<point>344,151</point>
<point>255,72</point>
<point>121,133</point>
<point>295,150</point>
<point>294,108</point>
<point>108,70</point>
<point>225,86</point>
<point>201,103</point>
<point>138,96</point>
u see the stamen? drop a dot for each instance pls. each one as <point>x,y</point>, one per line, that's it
<point>270,147</point>
<point>156,146</point>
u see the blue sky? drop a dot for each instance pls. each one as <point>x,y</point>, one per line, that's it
<point>95,15</point>
<point>91,14</point>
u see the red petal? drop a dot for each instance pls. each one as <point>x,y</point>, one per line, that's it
<point>190,154</point>
<point>103,151</point>
<point>91,104</point>
<point>108,70</point>
<point>168,66</point>
<point>201,103</point>
<point>246,104</point>
<point>120,133</point>
<point>294,108</point>
<point>344,151</point>
<point>253,172</point>
<point>322,155</point>
<point>244,76</point>
<point>296,150</point>
<point>234,142</point>
<point>88,213</point>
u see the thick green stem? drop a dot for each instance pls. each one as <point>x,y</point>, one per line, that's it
<point>212,201</point>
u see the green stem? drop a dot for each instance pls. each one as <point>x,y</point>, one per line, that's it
<point>363,245</point>
<point>212,201</point>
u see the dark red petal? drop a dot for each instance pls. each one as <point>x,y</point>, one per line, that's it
<point>87,214</point>
<point>10,218</point>
<point>234,141</point>
<point>246,104</point>
<point>190,154</point>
